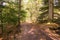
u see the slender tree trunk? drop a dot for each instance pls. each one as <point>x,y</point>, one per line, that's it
<point>19,23</point>
<point>50,15</point>
<point>19,7</point>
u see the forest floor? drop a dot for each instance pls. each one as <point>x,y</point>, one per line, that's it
<point>37,32</point>
<point>32,31</point>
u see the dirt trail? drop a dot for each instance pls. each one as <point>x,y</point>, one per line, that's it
<point>33,32</point>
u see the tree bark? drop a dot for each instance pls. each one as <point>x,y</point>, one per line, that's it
<point>50,15</point>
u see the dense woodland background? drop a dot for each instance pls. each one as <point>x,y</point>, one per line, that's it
<point>31,11</point>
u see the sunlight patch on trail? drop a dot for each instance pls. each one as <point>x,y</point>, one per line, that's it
<point>31,31</point>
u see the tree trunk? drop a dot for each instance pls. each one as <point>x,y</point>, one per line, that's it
<point>19,11</point>
<point>50,15</point>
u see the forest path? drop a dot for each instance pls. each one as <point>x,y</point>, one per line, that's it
<point>34,32</point>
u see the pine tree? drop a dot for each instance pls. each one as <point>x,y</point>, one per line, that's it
<point>45,11</point>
